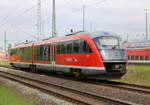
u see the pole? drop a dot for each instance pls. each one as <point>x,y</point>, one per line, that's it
<point>146,25</point>
<point>53,20</point>
<point>83,18</point>
<point>127,37</point>
<point>5,49</point>
<point>39,28</point>
<point>90,26</point>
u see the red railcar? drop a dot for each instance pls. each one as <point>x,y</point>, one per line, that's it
<point>81,54</point>
<point>138,51</point>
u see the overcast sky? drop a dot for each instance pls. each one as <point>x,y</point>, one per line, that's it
<point>124,17</point>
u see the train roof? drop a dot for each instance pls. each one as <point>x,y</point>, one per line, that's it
<point>101,33</point>
<point>72,35</point>
<point>139,41</point>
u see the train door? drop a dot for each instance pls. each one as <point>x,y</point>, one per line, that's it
<point>53,55</point>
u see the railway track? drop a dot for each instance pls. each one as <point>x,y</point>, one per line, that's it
<point>66,93</point>
<point>125,86</point>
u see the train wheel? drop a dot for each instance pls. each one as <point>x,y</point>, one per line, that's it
<point>77,73</point>
<point>33,68</point>
<point>16,68</point>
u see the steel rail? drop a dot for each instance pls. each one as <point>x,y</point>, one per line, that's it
<point>44,86</point>
<point>124,86</point>
<point>114,84</point>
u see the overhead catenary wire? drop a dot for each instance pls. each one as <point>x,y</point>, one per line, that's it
<point>22,13</point>
<point>13,10</point>
<point>22,30</point>
<point>74,11</point>
<point>29,9</point>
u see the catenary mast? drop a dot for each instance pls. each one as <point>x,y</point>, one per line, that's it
<point>53,20</point>
<point>39,26</point>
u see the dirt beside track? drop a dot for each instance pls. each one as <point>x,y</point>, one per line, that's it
<point>91,88</point>
<point>37,97</point>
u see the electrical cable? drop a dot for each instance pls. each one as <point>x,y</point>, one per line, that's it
<point>13,11</point>
<point>18,28</point>
<point>77,10</point>
<point>24,12</point>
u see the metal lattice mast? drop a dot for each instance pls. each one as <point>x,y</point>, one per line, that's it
<point>39,26</point>
<point>83,18</point>
<point>146,25</point>
<point>53,20</point>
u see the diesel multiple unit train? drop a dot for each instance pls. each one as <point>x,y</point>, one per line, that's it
<point>98,54</point>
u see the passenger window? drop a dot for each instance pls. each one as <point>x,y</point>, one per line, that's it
<point>25,54</point>
<point>59,48</point>
<point>128,57</point>
<point>46,52</point>
<point>69,47</point>
<point>63,48</point>
<point>141,57</point>
<point>42,53</point>
<point>132,57</point>
<point>13,52</point>
<point>146,57</point>
<point>76,46</point>
<point>136,57</point>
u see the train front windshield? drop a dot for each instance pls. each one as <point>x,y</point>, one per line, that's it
<point>110,47</point>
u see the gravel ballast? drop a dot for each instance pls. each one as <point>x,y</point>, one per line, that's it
<point>35,96</point>
<point>116,93</point>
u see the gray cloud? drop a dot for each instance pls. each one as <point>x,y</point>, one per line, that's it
<point>120,16</point>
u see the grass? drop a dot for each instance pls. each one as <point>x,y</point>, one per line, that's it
<point>4,63</point>
<point>137,74</point>
<point>9,98</point>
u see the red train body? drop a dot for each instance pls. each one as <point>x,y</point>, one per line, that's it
<point>138,52</point>
<point>81,54</point>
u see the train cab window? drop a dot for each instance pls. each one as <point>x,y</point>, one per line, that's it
<point>107,42</point>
